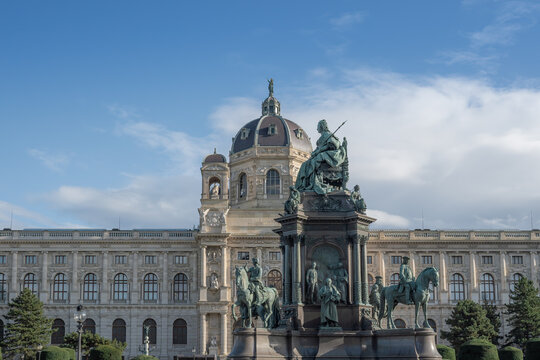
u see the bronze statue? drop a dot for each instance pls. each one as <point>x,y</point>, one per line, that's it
<point>329,296</point>
<point>406,280</point>
<point>255,280</point>
<point>375,297</point>
<point>312,281</point>
<point>342,281</point>
<point>270,87</point>
<point>291,205</point>
<point>358,200</point>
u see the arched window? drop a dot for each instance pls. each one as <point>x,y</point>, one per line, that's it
<point>272,182</point>
<point>119,330</point>
<point>30,283</point>
<point>90,287</point>
<point>60,287</point>
<point>400,324</point>
<point>457,287</point>
<point>394,279</point>
<point>150,324</point>
<point>242,186</point>
<point>487,288</point>
<point>59,331</point>
<point>89,325</point>
<point>275,279</point>
<point>180,287</point>
<point>515,279</point>
<point>150,287</point>
<point>179,332</point>
<point>120,287</point>
<point>370,280</point>
<point>1,330</point>
<point>3,288</point>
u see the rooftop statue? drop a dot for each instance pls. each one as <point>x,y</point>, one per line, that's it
<point>327,169</point>
<point>392,295</point>
<point>254,299</point>
<point>270,87</point>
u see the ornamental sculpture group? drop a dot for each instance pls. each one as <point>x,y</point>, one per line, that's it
<point>324,172</point>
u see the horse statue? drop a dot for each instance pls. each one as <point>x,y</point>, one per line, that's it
<point>390,297</point>
<point>267,310</point>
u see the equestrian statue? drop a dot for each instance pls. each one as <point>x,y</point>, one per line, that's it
<point>254,299</point>
<point>408,292</point>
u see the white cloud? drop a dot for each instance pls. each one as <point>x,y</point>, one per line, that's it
<point>18,217</point>
<point>123,112</point>
<point>54,162</point>
<point>388,221</point>
<point>348,19</point>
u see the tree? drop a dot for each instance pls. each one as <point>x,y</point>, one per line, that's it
<point>468,321</point>
<point>27,327</point>
<point>495,319</point>
<point>524,311</point>
<point>90,341</point>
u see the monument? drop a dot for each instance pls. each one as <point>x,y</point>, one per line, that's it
<point>326,311</point>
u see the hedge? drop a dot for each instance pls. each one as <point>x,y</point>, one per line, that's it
<point>510,353</point>
<point>105,352</point>
<point>477,349</point>
<point>53,353</point>
<point>71,353</point>
<point>446,352</point>
<point>532,349</point>
<point>143,357</point>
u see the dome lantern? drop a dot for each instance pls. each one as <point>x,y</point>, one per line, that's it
<point>271,105</point>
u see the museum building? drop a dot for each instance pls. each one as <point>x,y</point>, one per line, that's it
<point>180,282</point>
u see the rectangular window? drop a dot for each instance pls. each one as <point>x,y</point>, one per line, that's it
<point>2,259</point>
<point>243,255</point>
<point>275,255</point>
<point>30,259</point>
<point>180,259</point>
<point>457,260</point>
<point>150,259</point>
<point>427,259</point>
<point>60,259</point>
<point>487,260</point>
<point>517,259</point>
<point>90,259</point>
<point>396,259</point>
<point>370,259</point>
<point>120,259</point>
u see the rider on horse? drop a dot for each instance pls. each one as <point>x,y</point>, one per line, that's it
<point>255,283</point>
<point>406,280</point>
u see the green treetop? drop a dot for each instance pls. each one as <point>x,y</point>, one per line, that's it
<point>524,311</point>
<point>26,327</point>
<point>468,321</point>
<point>495,319</point>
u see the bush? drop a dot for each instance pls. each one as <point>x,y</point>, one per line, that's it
<point>53,353</point>
<point>510,353</point>
<point>143,357</point>
<point>71,353</point>
<point>532,349</point>
<point>478,349</point>
<point>105,352</point>
<point>446,352</point>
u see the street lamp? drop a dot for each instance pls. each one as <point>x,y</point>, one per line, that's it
<point>79,317</point>
<point>193,351</point>
<point>39,349</point>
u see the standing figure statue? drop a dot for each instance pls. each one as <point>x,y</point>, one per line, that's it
<point>324,170</point>
<point>329,296</point>
<point>255,281</point>
<point>358,200</point>
<point>291,205</point>
<point>342,281</point>
<point>406,280</point>
<point>312,281</point>
<point>375,297</point>
<point>214,192</point>
<point>270,87</point>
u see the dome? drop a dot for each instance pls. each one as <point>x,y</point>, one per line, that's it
<point>215,158</point>
<point>271,129</point>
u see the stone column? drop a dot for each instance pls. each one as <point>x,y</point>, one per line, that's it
<point>104,289</point>
<point>413,263</point>
<point>203,266</point>
<point>442,272</point>
<point>363,250</point>
<point>135,281</point>
<point>504,271</point>
<point>224,262</point>
<point>75,294</point>
<point>259,255</point>
<point>286,273</point>
<point>224,330</point>
<point>14,290</point>
<point>44,290</point>
<point>357,294</point>
<point>472,293</point>
<point>382,268</point>
<point>298,279</point>
<point>534,263</point>
<point>203,334</point>
<point>164,286</point>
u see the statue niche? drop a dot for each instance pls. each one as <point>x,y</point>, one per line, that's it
<point>331,264</point>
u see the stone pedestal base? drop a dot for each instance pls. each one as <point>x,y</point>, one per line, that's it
<point>403,344</point>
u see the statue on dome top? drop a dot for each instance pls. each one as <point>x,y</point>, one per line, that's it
<point>270,87</point>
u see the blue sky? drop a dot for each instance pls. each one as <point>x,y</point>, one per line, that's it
<point>107,108</point>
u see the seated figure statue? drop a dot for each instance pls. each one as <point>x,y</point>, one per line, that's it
<point>327,168</point>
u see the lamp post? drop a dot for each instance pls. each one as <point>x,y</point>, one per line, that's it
<point>39,349</point>
<point>79,317</point>
<point>193,351</point>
